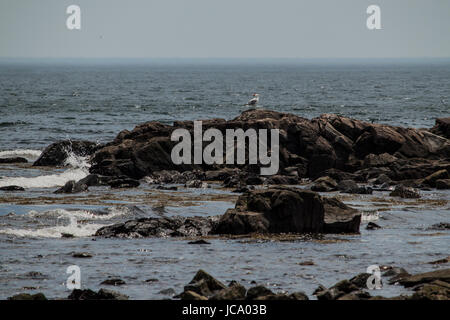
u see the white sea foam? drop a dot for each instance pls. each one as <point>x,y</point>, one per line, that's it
<point>25,153</point>
<point>78,169</point>
<point>66,221</point>
<point>367,216</point>
<point>74,228</point>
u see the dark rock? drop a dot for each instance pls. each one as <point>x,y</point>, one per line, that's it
<point>13,160</point>
<point>379,160</point>
<point>372,226</point>
<point>259,291</point>
<point>167,292</point>
<point>81,255</point>
<point>159,227</point>
<point>287,210</point>
<point>443,184</point>
<point>442,127</point>
<point>12,188</point>
<point>26,296</point>
<point>72,187</point>
<point>235,291</point>
<point>440,226</point>
<point>201,241</point>
<point>123,183</point>
<point>324,184</point>
<point>404,192</point>
<point>57,153</point>
<point>190,295</point>
<point>383,179</point>
<point>113,282</point>
<point>66,235</point>
<point>427,277</point>
<point>432,178</point>
<point>204,284</point>
<point>436,290</point>
<point>340,218</point>
<point>102,294</point>
<point>441,261</point>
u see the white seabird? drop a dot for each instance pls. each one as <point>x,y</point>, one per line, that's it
<point>254,101</point>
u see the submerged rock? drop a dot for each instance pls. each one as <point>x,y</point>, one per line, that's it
<point>13,160</point>
<point>12,188</point>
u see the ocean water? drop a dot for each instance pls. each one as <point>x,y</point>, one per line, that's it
<point>43,103</point>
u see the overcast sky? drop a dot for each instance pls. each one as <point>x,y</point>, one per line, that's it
<point>225,29</point>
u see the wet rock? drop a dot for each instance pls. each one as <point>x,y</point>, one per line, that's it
<point>72,187</point>
<point>81,255</point>
<point>383,179</point>
<point>379,160</point>
<point>274,210</point>
<point>306,263</point>
<point>324,184</point>
<point>57,153</point>
<point>13,160</point>
<point>204,284</point>
<point>172,188</point>
<point>235,291</point>
<point>283,297</point>
<point>26,296</point>
<point>190,295</point>
<point>113,282</point>
<point>395,274</point>
<point>427,277</point>
<point>123,183</point>
<point>201,241</point>
<point>350,186</point>
<point>196,184</point>
<point>404,192</point>
<point>443,184</point>
<point>345,289</point>
<point>281,180</point>
<point>287,210</point>
<point>340,218</point>
<point>258,291</point>
<point>432,178</point>
<point>440,226</point>
<point>436,290</point>
<point>12,188</point>
<point>102,294</point>
<point>372,226</point>
<point>159,227</point>
<point>441,261</point>
<point>66,235</point>
<point>442,127</point>
<point>167,292</point>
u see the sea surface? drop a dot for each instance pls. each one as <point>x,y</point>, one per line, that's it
<point>41,103</point>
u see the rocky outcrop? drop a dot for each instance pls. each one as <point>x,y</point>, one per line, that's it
<point>159,227</point>
<point>57,153</point>
<point>205,287</point>
<point>442,127</point>
<point>287,210</point>
<point>308,148</point>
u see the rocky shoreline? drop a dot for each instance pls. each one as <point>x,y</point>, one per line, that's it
<point>434,285</point>
<point>334,152</point>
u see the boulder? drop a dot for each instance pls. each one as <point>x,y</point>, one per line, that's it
<point>102,294</point>
<point>404,192</point>
<point>427,277</point>
<point>324,184</point>
<point>442,127</point>
<point>57,153</point>
<point>287,210</point>
<point>12,188</point>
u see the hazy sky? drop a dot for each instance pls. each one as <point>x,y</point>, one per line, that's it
<point>225,28</point>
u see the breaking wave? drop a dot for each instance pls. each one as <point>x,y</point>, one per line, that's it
<point>29,154</point>
<point>78,168</point>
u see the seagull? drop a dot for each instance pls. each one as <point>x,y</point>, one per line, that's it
<point>254,101</point>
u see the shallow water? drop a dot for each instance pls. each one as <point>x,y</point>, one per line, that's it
<point>41,104</point>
